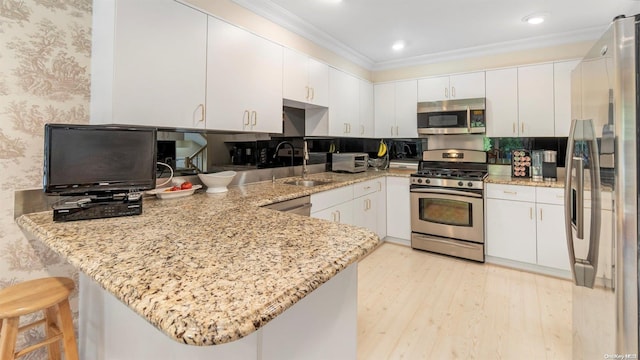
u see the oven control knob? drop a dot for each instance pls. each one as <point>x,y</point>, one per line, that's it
<point>469,184</point>
<point>427,181</point>
<point>460,183</point>
<point>419,181</point>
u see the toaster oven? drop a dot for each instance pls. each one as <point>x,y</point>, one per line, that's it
<point>349,162</point>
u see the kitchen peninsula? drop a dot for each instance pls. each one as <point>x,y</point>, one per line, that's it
<point>214,269</point>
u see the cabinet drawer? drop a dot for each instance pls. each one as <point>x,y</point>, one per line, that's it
<point>511,192</point>
<point>554,196</point>
<point>366,187</point>
<point>327,199</point>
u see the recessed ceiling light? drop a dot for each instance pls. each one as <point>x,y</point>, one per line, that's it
<point>398,45</point>
<point>535,19</point>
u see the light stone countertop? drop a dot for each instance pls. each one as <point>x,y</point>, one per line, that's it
<point>508,180</point>
<point>212,268</point>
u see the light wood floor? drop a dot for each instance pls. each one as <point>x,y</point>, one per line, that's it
<point>417,305</point>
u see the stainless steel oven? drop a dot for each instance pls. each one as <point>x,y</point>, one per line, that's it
<point>447,203</point>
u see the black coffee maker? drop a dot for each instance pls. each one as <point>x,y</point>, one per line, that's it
<point>549,165</point>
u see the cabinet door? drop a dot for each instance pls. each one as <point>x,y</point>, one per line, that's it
<point>364,212</point>
<point>551,238</point>
<point>342,213</point>
<point>381,207</point>
<point>562,96</point>
<point>159,66</point>
<point>535,100</point>
<point>384,105</point>
<point>295,84</point>
<point>434,89</point>
<point>406,109</point>
<point>502,102</point>
<point>319,82</point>
<point>398,208</point>
<point>366,126</point>
<point>244,80</point>
<point>228,78</point>
<point>467,86</point>
<point>344,103</point>
<point>511,230</point>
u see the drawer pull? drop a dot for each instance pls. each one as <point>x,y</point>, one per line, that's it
<point>510,192</point>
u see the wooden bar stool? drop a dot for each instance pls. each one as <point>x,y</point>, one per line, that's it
<point>48,294</point>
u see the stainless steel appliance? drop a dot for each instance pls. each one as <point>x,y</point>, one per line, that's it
<point>604,110</point>
<point>447,203</point>
<point>461,116</point>
<point>549,165</point>
<point>349,162</point>
<point>300,206</point>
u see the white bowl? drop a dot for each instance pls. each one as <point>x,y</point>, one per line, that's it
<point>217,182</point>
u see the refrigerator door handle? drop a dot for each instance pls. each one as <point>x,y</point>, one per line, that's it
<point>568,205</point>
<point>584,270</point>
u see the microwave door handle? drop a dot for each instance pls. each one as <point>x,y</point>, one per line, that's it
<point>568,204</point>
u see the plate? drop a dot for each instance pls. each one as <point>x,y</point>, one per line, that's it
<point>162,193</point>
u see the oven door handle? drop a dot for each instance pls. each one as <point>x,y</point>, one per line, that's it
<point>445,191</point>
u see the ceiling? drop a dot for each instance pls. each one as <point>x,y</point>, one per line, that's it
<point>364,30</point>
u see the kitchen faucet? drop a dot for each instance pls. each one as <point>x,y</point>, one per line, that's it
<point>275,154</point>
<point>305,158</point>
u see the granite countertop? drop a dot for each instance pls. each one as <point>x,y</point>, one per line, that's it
<point>508,180</point>
<point>212,268</point>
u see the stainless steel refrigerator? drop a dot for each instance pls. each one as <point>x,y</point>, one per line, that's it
<point>601,196</point>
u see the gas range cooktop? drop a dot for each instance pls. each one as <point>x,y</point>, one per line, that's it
<point>451,168</point>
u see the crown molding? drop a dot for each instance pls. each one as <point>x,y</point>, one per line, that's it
<point>588,34</point>
<point>297,25</point>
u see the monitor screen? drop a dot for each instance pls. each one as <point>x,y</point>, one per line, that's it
<point>98,158</point>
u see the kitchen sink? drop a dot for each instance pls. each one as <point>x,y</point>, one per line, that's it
<point>307,183</point>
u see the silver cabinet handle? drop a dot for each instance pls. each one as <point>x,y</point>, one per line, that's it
<point>540,214</point>
<point>510,192</point>
<point>361,129</point>
<point>308,92</point>
<point>397,130</point>
<point>379,186</point>
<point>446,93</point>
<point>391,130</point>
<point>522,127</point>
<point>531,213</point>
<point>453,91</point>
<point>313,94</point>
<point>255,118</point>
<point>202,115</point>
<point>246,115</point>
<point>333,215</point>
<point>338,211</point>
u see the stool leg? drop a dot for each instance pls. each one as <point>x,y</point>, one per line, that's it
<point>68,335</point>
<point>8,335</point>
<point>51,316</point>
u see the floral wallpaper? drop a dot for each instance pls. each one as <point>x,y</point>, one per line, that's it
<point>45,54</point>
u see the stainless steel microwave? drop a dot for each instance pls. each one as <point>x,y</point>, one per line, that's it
<point>460,116</point>
<point>349,162</point>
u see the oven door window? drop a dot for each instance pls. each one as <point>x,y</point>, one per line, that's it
<point>446,211</point>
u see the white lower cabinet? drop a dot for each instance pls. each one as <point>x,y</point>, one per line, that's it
<point>334,205</point>
<point>526,224</point>
<point>361,204</point>
<point>398,208</point>
<point>369,205</point>
<point>511,230</point>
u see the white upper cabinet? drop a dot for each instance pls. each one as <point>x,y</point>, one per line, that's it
<point>344,103</point>
<point>367,121</point>
<point>562,96</point>
<point>502,103</point>
<point>535,100</point>
<point>461,86</point>
<point>244,80</point>
<point>149,64</point>
<point>305,79</point>
<point>395,111</point>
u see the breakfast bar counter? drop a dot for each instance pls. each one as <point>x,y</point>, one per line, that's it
<point>209,269</point>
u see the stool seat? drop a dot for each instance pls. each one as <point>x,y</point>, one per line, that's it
<point>50,295</point>
<point>31,296</point>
